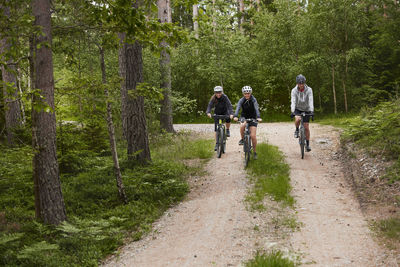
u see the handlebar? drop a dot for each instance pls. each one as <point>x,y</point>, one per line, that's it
<point>247,120</point>
<point>223,117</point>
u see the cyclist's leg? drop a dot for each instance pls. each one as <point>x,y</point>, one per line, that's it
<point>242,127</point>
<point>307,128</point>
<point>253,135</point>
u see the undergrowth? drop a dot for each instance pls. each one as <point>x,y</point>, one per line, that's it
<point>97,221</point>
<point>378,131</point>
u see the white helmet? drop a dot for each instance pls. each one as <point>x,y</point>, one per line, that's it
<point>246,89</point>
<point>218,88</point>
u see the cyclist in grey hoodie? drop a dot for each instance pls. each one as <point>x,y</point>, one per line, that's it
<point>302,101</point>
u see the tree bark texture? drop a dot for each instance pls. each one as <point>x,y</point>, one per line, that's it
<point>45,166</point>
<point>195,20</point>
<point>241,12</point>
<point>13,118</point>
<point>333,88</point>
<point>166,121</point>
<point>111,132</point>
<point>133,113</point>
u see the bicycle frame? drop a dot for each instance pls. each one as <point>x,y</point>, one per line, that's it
<point>302,134</point>
<point>247,145</point>
<point>221,134</point>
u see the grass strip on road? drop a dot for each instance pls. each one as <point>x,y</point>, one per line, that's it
<point>270,175</point>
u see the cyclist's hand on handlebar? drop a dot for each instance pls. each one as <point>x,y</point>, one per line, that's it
<point>231,116</point>
<point>235,119</point>
<point>209,115</point>
<point>292,115</point>
<point>259,119</point>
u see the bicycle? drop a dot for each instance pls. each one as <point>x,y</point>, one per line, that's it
<point>302,132</point>
<point>247,146</point>
<point>221,134</point>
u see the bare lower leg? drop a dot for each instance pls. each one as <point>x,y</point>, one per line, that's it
<point>242,130</point>
<point>253,135</point>
<point>228,125</point>
<point>297,121</point>
<point>307,128</point>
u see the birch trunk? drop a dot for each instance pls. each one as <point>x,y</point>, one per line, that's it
<point>111,132</point>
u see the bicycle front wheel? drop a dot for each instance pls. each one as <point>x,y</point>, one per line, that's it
<point>247,150</point>
<point>220,142</point>
<point>302,141</point>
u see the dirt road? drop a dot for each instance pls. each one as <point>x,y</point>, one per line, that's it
<point>212,227</point>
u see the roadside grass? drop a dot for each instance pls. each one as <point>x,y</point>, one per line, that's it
<point>271,259</point>
<point>270,175</point>
<point>98,222</point>
<point>341,120</point>
<point>390,228</point>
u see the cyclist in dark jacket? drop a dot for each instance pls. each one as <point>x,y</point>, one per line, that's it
<point>222,106</point>
<point>250,110</point>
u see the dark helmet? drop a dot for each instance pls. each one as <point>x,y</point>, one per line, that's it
<point>300,79</point>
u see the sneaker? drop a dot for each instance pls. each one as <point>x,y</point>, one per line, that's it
<point>296,134</point>
<point>241,142</point>
<point>216,147</point>
<point>228,133</point>
<point>255,155</point>
<point>308,148</point>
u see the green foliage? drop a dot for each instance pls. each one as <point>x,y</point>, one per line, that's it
<point>378,129</point>
<point>271,176</point>
<point>97,220</point>
<point>272,259</point>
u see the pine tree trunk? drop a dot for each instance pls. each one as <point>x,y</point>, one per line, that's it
<point>12,107</point>
<point>45,166</point>
<point>333,88</point>
<point>133,114</point>
<point>164,16</point>
<point>111,132</point>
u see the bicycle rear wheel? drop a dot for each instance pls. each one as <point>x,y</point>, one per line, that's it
<point>247,150</point>
<point>220,139</point>
<point>302,141</point>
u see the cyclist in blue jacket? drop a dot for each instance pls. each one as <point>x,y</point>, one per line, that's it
<point>222,106</point>
<point>250,110</point>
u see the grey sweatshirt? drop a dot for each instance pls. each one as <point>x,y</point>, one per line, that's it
<point>302,100</point>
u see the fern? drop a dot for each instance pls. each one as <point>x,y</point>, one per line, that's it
<point>32,251</point>
<point>7,238</point>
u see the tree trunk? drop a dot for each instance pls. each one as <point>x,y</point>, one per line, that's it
<point>45,166</point>
<point>111,132</point>
<point>12,107</point>
<point>258,5</point>
<point>133,114</point>
<point>344,86</point>
<point>333,88</point>
<point>241,13</point>
<point>164,16</point>
<point>195,20</point>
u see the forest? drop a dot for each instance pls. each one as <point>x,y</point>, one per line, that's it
<point>91,91</point>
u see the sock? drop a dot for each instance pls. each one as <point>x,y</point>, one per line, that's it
<point>297,128</point>
<point>308,142</point>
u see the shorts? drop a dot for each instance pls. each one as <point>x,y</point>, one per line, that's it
<point>250,123</point>
<point>298,112</point>
<point>216,123</point>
